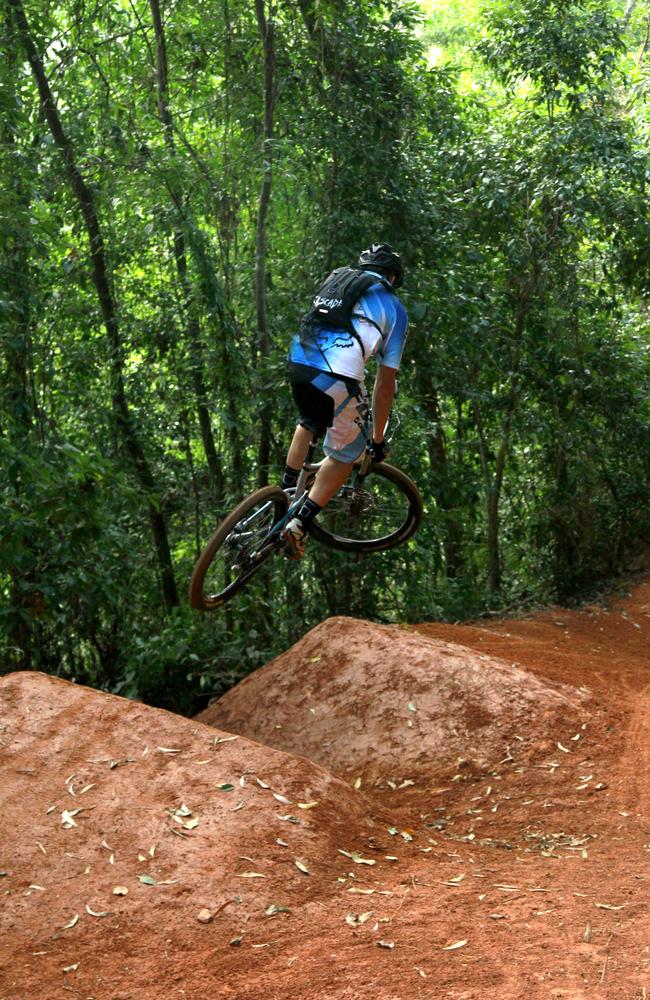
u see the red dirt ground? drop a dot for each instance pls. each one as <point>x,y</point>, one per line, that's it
<point>463,813</point>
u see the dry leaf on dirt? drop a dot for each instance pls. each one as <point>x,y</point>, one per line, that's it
<point>306,805</point>
<point>67,818</point>
<point>119,763</point>
<point>250,875</point>
<point>456,944</point>
<point>607,906</point>
<point>71,923</point>
<point>385,944</point>
<point>95,913</point>
<point>302,867</point>
<point>357,919</point>
<point>183,816</point>
<point>358,860</point>
<point>71,968</point>
<point>273,910</point>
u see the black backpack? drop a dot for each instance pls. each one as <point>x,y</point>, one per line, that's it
<point>334,302</point>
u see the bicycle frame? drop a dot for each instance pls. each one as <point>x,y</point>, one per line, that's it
<point>362,468</point>
<point>253,531</point>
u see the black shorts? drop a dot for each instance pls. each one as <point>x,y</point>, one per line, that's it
<point>331,403</point>
<point>311,388</point>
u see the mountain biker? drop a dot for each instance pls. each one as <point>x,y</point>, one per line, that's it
<point>325,368</point>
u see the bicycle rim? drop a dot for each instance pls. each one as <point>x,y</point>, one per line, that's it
<point>237,549</point>
<point>387,513</point>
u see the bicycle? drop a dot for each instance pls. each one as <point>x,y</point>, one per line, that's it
<point>380,508</point>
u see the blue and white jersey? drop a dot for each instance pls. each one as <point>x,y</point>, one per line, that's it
<point>338,352</point>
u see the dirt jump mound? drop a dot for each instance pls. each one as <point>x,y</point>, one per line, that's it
<point>135,839</point>
<point>383,813</point>
<point>388,704</point>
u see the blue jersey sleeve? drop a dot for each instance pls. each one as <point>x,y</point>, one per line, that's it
<point>390,353</point>
<point>387,314</point>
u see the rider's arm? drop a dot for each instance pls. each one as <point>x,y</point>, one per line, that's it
<point>382,400</point>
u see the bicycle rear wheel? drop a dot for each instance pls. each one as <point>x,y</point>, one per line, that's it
<point>237,549</point>
<point>385,513</point>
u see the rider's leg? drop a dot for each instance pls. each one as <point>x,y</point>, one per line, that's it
<point>334,403</point>
<point>331,476</point>
<point>296,456</point>
<point>299,447</point>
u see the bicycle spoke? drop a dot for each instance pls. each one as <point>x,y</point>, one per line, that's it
<point>377,510</point>
<point>384,511</point>
<point>239,549</point>
<point>234,555</point>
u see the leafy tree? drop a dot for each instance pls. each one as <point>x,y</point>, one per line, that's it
<point>174,183</point>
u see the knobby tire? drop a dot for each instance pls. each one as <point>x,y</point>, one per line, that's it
<point>337,538</point>
<point>207,601</point>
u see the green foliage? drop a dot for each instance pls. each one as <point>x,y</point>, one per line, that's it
<point>567,48</point>
<point>515,186</point>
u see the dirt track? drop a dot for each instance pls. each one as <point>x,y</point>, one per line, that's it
<point>496,844</point>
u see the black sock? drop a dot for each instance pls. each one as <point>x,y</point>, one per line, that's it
<point>289,477</point>
<point>308,512</point>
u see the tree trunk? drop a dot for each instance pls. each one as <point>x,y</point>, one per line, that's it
<point>267,34</point>
<point>493,482</point>
<point>15,348</point>
<point>442,489</point>
<point>100,277</point>
<point>492,538</point>
<point>15,283</point>
<point>192,327</point>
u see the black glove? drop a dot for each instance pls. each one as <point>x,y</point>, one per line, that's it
<point>378,450</point>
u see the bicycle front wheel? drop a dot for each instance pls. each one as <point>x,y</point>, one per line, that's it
<point>237,549</point>
<point>384,513</point>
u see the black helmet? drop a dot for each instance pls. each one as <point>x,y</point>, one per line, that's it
<point>382,257</point>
